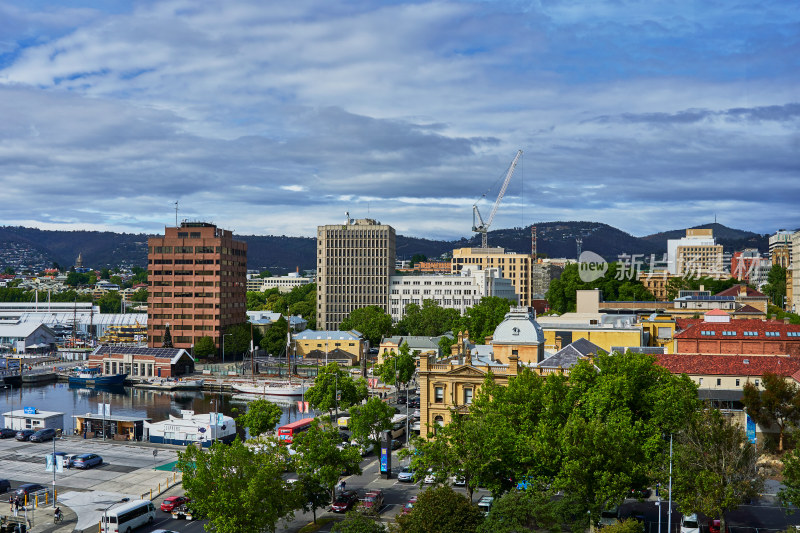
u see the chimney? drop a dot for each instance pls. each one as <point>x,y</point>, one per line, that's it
<point>742,290</point>
<point>774,317</point>
<point>559,340</point>
<point>786,320</point>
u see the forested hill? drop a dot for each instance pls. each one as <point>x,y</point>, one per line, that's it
<point>285,254</point>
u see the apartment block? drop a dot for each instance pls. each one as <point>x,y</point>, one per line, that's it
<point>793,276</point>
<point>282,283</point>
<point>197,276</point>
<point>450,291</point>
<point>750,267</point>
<point>354,262</point>
<point>515,267</point>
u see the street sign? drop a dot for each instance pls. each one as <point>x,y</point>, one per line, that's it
<point>155,452</point>
<point>751,429</point>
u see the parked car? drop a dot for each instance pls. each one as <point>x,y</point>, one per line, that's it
<point>24,434</point>
<point>406,474</point>
<point>169,504</point>
<point>715,526</point>
<point>5,486</point>
<point>184,512</point>
<point>485,504</point>
<point>87,460</point>
<point>641,493</point>
<point>345,501</point>
<point>396,444</point>
<point>7,433</point>
<point>431,477</point>
<point>413,403</point>
<point>43,435</point>
<point>373,501</point>
<point>459,480</point>
<point>28,489</point>
<point>690,524</point>
<point>410,505</point>
<point>609,517</point>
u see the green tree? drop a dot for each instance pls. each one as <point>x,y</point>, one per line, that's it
<point>715,466</point>
<point>368,420</point>
<point>789,494</point>
<point>441,510</point>
<point>618,283</point>
<point>776,285</point>
<point>110,302</point>
<point>778,403</point>
<point>445,344</point>
<point>400,367</point>
<point>105,273</point>
<point>371,321</point>
<point>261,416</point>
<point>313,493</point>
<point>139,275</point>
<point>526,510</point>
<point>275,339</point>
<point>430,320</point>
<point>239,341</point>
<point>318,458</point>
<point>8,271</point>
<point>256,300</point>
<point>265,274</point>
<point>418,258</point>
<point>204,347</point>
<point>357,522</point>
<point>139,295</point>
<point>331,380</point>
<point>482,319</point>
<point>236,488</point>
<point>629,525</point>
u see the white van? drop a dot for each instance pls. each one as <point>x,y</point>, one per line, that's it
<point>689,524</point>
<point>127,517</point>
<point>485,504</point>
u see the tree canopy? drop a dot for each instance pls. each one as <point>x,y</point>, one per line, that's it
<point>371,321</point>
<point>332,382</point>
<point>482,319</point>
<point>368,420</point>
<point>204,347</point>
<point>715,466</point>
<point>261,416</point>
<point>778,404</point>
<point>430,320</point>
<point>400,366</point>
<point>440,509</point>
<point>776,285</point>
<point>237,488</point>
<point>618,283</point>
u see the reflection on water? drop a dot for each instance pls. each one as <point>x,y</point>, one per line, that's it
<point>154,404</point>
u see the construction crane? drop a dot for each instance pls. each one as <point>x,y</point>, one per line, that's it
<point>478,225</point>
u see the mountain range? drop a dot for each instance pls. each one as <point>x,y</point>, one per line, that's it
<point>282,254</point>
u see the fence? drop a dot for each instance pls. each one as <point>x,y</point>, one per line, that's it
<point>163,487</point>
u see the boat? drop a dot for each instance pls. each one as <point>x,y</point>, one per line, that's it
<point>270,388</point>
<point>191,428</point>
<point>88,377</point>
<point>171,384</point>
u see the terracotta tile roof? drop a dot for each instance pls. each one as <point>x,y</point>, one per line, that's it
<point>716,312</point>
<point>684,323</point>
<point>734,291</point>
<point>760,327</point>
<point>748,310</point>
<point>730,365</point>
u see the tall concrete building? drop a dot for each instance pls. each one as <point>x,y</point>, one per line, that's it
<point>354,262</point>
<point>780,248</point>
<point>514,266</point>
<point>197,277</point>
<point>793,276</point>
<point>696,255</point>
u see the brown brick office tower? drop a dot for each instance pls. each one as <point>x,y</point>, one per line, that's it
<point>198,283</point>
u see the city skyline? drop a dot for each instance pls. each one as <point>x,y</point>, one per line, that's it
<point>273,120</point>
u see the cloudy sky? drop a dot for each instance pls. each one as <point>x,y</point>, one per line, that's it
<point>275,117</point>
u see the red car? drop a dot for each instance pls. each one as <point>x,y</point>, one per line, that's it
<point>373,501</point>
<point>410,505</point>
<point>169,504</point>
<point>714,526</point>
<point>345,501</point>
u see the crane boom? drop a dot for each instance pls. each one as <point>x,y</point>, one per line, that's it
<point>478,225</point>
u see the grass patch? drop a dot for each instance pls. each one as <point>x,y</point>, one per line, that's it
<point>310,528</point>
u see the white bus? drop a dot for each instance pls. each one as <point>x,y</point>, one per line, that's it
<point>398,426</point>
<point>127,517</point>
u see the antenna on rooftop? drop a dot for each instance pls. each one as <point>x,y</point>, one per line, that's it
<point>176,213</point>
<point>579,241</point>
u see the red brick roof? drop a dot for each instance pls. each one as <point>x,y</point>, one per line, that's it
<point>729,365</point>
<point>716,312</point>
<point>684,323</point>
<point>734,291</point>
<point>761,327</point>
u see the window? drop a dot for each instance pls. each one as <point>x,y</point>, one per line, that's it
<point>708,333</point>
<point>737,382</point>
<point>438,394</point>
<point>756,383</point>
<point>467,396</point>
<point>719,382</point>
<point>750,334</point>
<point>700,381</point>
<point>729,333</point>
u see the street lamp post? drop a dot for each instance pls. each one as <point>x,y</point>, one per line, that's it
<point>105,517</point>
<point>223,345</point>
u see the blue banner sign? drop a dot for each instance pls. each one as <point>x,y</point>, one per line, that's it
<point>29,410</point>
<point>384,459</point>
<point>751,429</point>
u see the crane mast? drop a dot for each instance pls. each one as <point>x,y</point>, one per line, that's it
<point>478,224</point>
